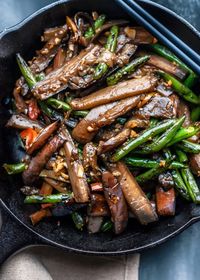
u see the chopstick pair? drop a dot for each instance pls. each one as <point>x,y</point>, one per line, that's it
<point>164,35</point>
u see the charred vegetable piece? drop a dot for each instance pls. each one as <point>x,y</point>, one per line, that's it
<point>59,186</point>
<point>180,185</point>
<point>117,92</point>
<point>114,141</point>
<point>139,35</point>
<point>164,139</point>
<point>154,172</point>
<point>53,198</point>
<point>135,197</point>
<point>102,116</point>
<point>126,70</point>
<point>116,201</point>
<point>180,88</point>
<point>39,215</point>
<point>22,122</point>
<point>53,175</point>
<point>14,168</point>
<point>42,137</point>
<point>149,163</point>
<point>26,71</point>
<point>194,161</point>
<point>189,147</point>
<point>98,206</point>
<point>78,220</point>
<point>165,202</point>
<point>37,163</point>
<point>58,104</point>
<point>142,138</point>
<point>76,171</point>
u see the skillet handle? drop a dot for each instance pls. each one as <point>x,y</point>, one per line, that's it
<point>13,236</point>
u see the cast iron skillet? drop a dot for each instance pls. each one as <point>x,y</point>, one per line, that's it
<point>16,229</point>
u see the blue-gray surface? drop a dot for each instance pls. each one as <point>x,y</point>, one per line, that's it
<point>179,258</point>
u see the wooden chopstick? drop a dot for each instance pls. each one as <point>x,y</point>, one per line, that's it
<point>164,35</point>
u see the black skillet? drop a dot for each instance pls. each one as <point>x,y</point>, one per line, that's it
<point>17,231</point>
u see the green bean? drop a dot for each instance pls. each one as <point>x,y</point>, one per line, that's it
<point>153,122</point>
<point>164,139</point>
<point>90,32</point>
<point>142,138</point>
<point>80,113</point>
<point>100,70</point>
<point>14,168</point>
<point>127,69</point>
<point>181,156</point>
<point>189,147</point>
<point>46,109</point>
<point>184,133</point>
<point>111,43</point>
<point>180,185</point>
<point>195,114</point>
<point>180,88</point>
<point>107,226</point>
<point>78,220</point>
<point>149,163</point>
<point>191,184</point>
<point>53,198</point>
<point>58,104</point>
<point>40,77</point>
<point>26,71</point>
<point>154,172</point>
<point>191,80</point>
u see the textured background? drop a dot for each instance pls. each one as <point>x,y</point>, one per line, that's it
<point>179,258</point>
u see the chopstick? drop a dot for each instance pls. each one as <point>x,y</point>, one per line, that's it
<point>164,35</point>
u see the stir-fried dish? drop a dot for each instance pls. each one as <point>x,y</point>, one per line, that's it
<point>108,118</point>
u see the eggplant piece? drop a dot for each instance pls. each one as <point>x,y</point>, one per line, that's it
<point>116,201</point>
<point>19,101</point>
<point>113,93</point>
<point>125,54</point>
<point>90,159</point>
<point>42,137</point>
<point>76,171</point>
<point>98,206</point>
<point>139,35</point>
<point>165,201</point>
<point>52,32</point>
<point>58,79</point>
<point>137,121</point>
<point>80,133</point>
<point>51,174</point>
<point>114,141</point>
<point>135,197</point>
<point>37,163</point>
<point>63,209</point>
<point>183,110</point>
<point>160,107</point>
<point>167,66</point>
<point>23,122</point>
<point>194,161</point>
<point>102,116</point>
<point>59,186</point>
<point>166,180</point>
<point>94,224</point>
<point>39,215</point>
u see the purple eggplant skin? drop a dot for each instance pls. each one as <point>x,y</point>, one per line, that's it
<point>116,201</point>
<point>114,141</point>
<point>76,171</point>
<point>37,163</point>
<point>23,122</point>
<point>135,197</point>
<point>113,93</point>
<point>101,116</point>
<point>42,137</point>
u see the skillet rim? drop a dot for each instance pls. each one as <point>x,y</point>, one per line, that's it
<point>190,221</point>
